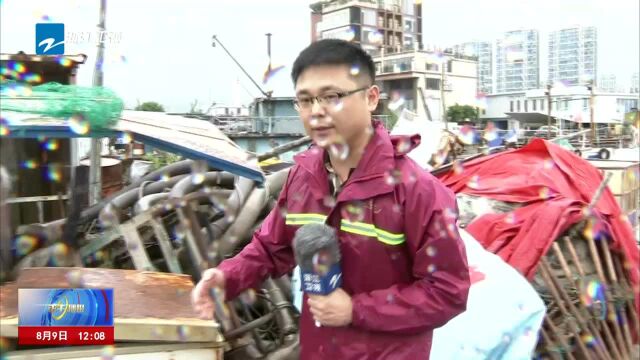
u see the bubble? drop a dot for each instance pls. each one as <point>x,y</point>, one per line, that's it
<point>353,211</point>
<point>481,101</point>
<point>59,252</point>
<point>54,172</point>
<point>165,177</point>
<point>431,268</point>
<point>64,61</point>
<point>126,138</point>
<point>25,244</point>
<point>355,70</point>
<point>393,177</point>
<point>198,170</point>
<point>349,35</point>
<point>78,124</point>
<point>450,214</point>
<point>490,133</point>
<point>51,145</point>
<point>339,150</point>
<point>338,106</point>
<point>411,177</point>
<point>592,292</point>
<point>109,216</point>
<point>107,352</point>
<point>4,346</point>
<point>506,338</point>
<point>284,211</point>
<point>157,332</point>
<point>396,104</point>
<point>547,164</point>
<point>431,251</point>
<point>15,90</point>
<point>588,340</point>
<point>33,78</point>
<point>4,127</point>
<point>249,297</point>
<point>457,167</point>
<point>29,164</point>
<point>403,145</point>
<point>440,157</point>
<point>544,193</point>
<point>230,218</point>
<point>474,182</point>
<point>510,218</point>
<point>132,245</point>
<point>75,278</point>
<point>329,201</point>
<point>375,38</point>
<point>396,208</point>
<point>322,261</point>
<point>19,68</point>
<point>390,299</point>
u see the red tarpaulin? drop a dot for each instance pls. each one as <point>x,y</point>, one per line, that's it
<point>557,186</point>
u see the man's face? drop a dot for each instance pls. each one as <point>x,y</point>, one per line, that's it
<point>337,117</point>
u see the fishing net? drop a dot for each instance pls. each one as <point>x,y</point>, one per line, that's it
<point>97,105</point>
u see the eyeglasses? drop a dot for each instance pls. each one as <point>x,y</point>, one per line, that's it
<point>329,99</point>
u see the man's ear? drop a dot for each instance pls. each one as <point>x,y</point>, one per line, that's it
<point>373,96</point>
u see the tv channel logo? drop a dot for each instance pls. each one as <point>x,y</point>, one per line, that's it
<point>50,39</point>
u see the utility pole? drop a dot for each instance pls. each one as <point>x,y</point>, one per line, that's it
<point>548,93</point>
<point>444,106</point>
<point>95,169</point>
<point>591,115</point>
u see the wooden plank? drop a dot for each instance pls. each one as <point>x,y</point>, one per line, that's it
<point>192,351</point>
<point>148,306</point>
<point>192,137</point>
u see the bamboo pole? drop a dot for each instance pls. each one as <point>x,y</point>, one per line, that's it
<point>603,323</point>
<point>547,277</point>
<point>611,316</point>
<point>558,335</point>
<point>614,282</point>
<point>551,347</point>
<point>585,323</point>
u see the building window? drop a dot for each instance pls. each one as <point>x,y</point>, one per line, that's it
<point>585,104</point>
<point>433,84</point>
<point>518,105</point>
<point>533,103</point>
<point>526,108</point>
<point>542,104</point>
<point>484,111</point>
<point>511,105</point>
<point>450,66</point>
<point>432,67</point>
<point>566,104</point>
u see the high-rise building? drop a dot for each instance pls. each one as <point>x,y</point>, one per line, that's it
<point>573,56</point>
<point>517,61</point>
<point>607,83</point>
<point>635,83</point>
<point>390,25</point>
<point>484,52</point>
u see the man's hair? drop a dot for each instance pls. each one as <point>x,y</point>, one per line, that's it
<point>335,52</point>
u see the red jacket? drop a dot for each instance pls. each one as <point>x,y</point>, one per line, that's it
<point>403,261</point>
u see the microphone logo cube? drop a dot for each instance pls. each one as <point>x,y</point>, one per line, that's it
<point>321,284</point>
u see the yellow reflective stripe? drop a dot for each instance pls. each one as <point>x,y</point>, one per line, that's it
<point>370,230</point>
<point>304,218</point>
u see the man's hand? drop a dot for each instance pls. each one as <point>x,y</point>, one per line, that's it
<point>200,296</point>
<point>334,309</point>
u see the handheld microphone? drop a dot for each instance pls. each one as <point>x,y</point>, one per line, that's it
<point>317,252</point>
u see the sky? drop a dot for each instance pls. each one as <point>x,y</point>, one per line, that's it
<point>165,52</point>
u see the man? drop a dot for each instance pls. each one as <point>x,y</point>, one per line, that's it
<point>403,263</point>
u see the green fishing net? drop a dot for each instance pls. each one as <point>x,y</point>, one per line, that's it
<point>97,105</point>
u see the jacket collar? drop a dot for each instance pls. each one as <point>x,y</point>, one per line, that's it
<point>376,164</point>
